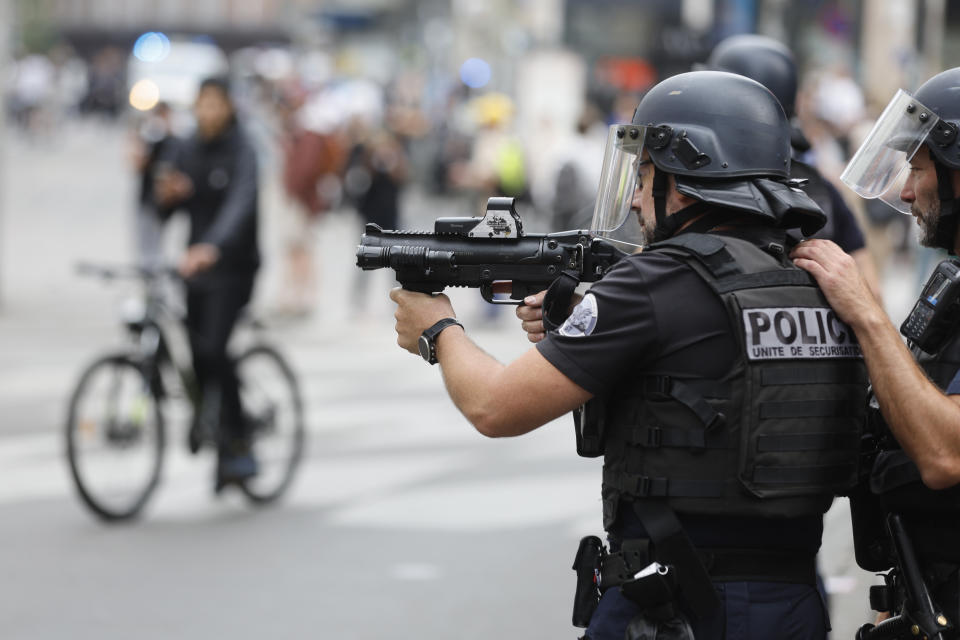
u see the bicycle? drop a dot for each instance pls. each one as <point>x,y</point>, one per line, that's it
<point>116,426</point>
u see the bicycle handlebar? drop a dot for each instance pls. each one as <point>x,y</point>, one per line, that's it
<point>127,272</point>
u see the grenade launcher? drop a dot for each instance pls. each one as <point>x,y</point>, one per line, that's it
<point>478,252</point>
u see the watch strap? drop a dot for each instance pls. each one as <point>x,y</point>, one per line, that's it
<point>439,326</point>
<point>431,334</point>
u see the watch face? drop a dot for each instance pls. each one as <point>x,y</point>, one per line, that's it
<point>424,346</point>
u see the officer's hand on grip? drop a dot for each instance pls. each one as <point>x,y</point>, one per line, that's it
<point>531,315</point>
<point>417,312</point>
<point>837,274</point>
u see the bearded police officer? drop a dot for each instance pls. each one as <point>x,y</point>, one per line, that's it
<point>771,63</point>
<point>910,160</point>
<point>722,391</point>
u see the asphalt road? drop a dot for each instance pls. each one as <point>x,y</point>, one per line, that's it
<point>403,523</point>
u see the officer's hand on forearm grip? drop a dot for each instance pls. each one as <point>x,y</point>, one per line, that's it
<point>531,316</point>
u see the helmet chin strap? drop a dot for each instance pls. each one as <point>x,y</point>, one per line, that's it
<point>668,226</point>
<point>946,232</point>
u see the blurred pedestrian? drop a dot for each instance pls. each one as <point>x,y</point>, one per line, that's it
<point>578,162</point>
<point>153,140</point>
<point>497,162</point>
<point>213,177</point>
<point>376,174</point>
<point>105,84</point>
<point>312,158</point>
<point>31,90</point>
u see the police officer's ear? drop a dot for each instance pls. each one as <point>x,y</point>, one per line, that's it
<point>676,200</point>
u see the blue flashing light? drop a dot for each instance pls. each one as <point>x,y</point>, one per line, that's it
<point>475,73</point>
<point>152,46</point>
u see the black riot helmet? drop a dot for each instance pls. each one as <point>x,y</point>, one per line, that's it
<point>928,121</point>
<point>763,59</point>
<point>726,141</point>
<point>941,94</point>
<point>712,124</point>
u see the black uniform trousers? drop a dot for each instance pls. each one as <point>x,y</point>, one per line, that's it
<point>214,304</point>
<point>747,611</point>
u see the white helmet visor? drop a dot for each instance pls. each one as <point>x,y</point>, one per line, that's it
<point>879,168</point>
<point>618,181</point>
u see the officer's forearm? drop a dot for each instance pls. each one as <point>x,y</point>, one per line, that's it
<point>470,375</point>
<point>869,272</point>
<point>923,419</point>
<point>503,400</point>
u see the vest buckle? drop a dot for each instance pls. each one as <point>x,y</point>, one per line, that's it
<point>660,385</point>
<point>654,437</point>
<point>643,486</point>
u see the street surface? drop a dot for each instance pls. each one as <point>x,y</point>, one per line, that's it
<point>403,523</point>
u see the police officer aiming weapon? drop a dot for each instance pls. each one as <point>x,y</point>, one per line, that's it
<point>727,411</point>
<point>479,252</point>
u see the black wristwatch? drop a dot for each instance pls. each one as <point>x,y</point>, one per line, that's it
<point>427,343</point>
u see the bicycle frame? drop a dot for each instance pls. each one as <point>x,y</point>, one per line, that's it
<point>154,348</point>
<point>158,353</point>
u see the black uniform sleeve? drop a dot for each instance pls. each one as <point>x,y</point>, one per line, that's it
<point>239,209</point>
<point>847,233</point>
<point>954,387</point>
<point>651,312</point>
<point>613,328</point>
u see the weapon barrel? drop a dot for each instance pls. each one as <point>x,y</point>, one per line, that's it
<point>400,256</point>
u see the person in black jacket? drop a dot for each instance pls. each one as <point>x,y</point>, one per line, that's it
<point>212,176</point>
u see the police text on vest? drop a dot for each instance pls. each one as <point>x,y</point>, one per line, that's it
<point>775,333</point>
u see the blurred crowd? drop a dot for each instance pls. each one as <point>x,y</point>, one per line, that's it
<point>331,141</point>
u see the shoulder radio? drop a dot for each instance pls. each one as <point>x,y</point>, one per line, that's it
<point>937,312</point>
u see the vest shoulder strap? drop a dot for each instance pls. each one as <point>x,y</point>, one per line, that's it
<point>729,264</point>
<point>710,250</point>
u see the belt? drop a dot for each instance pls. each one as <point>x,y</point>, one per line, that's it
<point>722,565</point>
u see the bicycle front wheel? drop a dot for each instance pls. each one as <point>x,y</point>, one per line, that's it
<point>115,437</point>
<point>273,410</point>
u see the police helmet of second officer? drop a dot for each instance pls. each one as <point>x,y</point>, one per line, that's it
<point>723,137</point>
<point>763,59</point>
<point>928,121</point>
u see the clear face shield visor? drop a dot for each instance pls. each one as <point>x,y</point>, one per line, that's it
<point>881,165</point>
<point>612,217</point>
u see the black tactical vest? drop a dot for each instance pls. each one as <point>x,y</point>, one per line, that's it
<point>778,434</point>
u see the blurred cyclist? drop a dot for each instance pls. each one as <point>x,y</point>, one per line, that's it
<point>212,176</point>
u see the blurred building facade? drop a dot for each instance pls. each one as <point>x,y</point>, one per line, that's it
<point>626,42</point>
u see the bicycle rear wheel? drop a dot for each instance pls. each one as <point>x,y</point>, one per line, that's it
<point>115,438</point>
<point>273,409</point>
